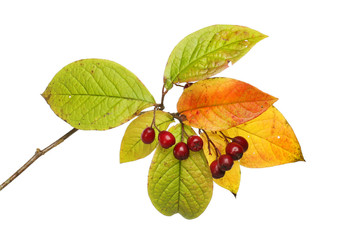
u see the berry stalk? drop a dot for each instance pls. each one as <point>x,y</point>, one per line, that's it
<point>218,153</point>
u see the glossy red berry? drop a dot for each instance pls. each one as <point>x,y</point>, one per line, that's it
<point>225,162</point>
<point>181,151</point>
<point>241,141</point>
<point>166,139</point>
<point>215,170</point>
<point>234,150</point>
<point>195,143</point>
<point>148,135</point>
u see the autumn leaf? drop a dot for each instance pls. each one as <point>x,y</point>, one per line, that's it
<point>180,186</point>
<point>132,148</point>
<point>208,51</point>
<point>271,140</point>
<point>220,103</point>
<point>96,94</point>
<point>232,178</point>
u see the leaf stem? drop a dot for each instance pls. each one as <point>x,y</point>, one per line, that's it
<point>164,92</point>
<point>179,117</point>
<point>37,154</point>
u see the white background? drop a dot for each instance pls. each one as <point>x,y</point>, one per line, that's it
<point>311,62</point>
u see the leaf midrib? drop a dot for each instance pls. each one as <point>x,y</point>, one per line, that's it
<point>225,104</point>
<point>106,96</point>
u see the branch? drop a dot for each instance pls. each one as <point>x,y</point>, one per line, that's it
<point>37,154</point>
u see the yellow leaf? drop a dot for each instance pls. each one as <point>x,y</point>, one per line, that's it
<point>232,178</point>
<point>271,140</point>
<point>132,148</point>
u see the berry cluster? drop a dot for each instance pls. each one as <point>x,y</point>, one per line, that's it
<point>166,140</point>
<point>234,152</point>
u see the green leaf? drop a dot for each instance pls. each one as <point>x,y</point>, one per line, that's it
<point>176,186</point>
<point>132,147</point>
<point>208,51</point>
<point>96,94</point>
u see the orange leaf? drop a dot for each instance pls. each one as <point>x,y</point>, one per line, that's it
<point>220,103</point>
<point>271,141</point>
<point>232,178</point>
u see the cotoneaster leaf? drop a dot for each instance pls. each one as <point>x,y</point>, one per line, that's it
<point>179,186</point>
<point>232,178</point>
<point>271,140</point>
<point>220,103</point>
<point>208,51</point>
<point>132,148</point>
<point>96,94</point>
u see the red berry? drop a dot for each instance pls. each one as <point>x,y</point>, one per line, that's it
<point>166,139</point>
<point>215,170</point>
<point>181,151</point>
<point>148,135</point>
<point>241,141</point>
<point>195,143</point>
<point>234,150</point>
<point>225,162</point>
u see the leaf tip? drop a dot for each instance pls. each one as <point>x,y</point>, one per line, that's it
<point>234,194</point>
<point>302,159</point>
<point>46,95</point>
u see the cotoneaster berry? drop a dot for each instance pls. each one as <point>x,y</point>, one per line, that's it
<point>225,162</point>
<point>166,139</point>
<point>241,141</point>
<point>148,135</point>
<point>195,143</point>
<point>181,151</point>
<point>215,170</point>
<point>234,150</point>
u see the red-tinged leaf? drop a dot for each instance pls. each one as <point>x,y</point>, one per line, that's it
<point>220,103</point>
